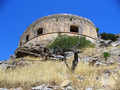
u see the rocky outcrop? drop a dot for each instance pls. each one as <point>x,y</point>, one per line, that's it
<point>117,43</point>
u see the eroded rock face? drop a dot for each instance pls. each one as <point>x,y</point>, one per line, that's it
<point>44,30</point>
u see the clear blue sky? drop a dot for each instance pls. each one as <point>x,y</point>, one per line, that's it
<point>17,15</point>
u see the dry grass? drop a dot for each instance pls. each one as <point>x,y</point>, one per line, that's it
<point>116,78</point>
<point>52,72</point>
<point>119,46</point>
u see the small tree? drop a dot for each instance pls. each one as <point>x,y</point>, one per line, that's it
<point>67,42</point>
<point>106,55</point>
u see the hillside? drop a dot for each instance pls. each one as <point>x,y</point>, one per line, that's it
<point>34,73</point>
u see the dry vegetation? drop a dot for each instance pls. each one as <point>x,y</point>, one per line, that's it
<point>52,72</point>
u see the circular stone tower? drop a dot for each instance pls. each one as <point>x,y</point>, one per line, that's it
<point>46,29</point>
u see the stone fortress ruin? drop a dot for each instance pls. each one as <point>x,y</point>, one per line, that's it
<point>46,29</point>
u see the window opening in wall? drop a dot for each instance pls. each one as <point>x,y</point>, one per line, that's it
<point>56,19</point>
<point>71,19</point>
<point>74,29</point>
<point>27,38</point>
<point>40,31</point>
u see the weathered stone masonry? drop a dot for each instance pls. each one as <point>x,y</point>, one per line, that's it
<point>44,30</point>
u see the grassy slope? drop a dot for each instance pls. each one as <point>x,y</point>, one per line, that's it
<point>52,72</point>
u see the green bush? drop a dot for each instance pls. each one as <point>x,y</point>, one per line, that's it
<point>109,36</point>
<point>65,42</point>
<point>106,55</point>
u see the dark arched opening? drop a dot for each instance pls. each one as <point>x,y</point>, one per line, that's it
<point>40,31</point>
<point>74,29</point>
<point>27,38</point>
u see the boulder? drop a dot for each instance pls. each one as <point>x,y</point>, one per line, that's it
<point>89,89</point>
<point>5,66</point>
<point>115,51</point>
<point>41,87</point>
<point>66,83</point>
<point>104,43</point>
<point>69,88</point>
<point>114,44</point>
<point>57,57</point>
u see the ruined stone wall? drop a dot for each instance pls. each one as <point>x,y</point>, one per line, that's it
<point>57,23</point>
